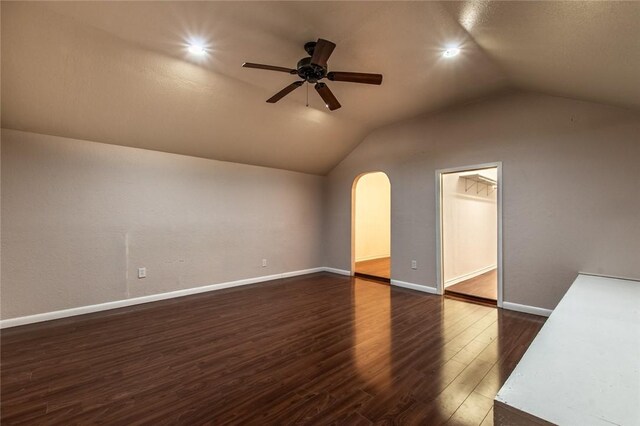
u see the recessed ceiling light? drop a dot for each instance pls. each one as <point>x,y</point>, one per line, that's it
<point>451,52</point>
<point>197,49</point>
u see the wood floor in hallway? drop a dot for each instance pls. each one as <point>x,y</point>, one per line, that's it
<point>375,267</point>
<point>483,286</point>
<point>314,349</point>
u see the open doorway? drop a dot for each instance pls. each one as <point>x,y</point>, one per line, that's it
<point>470,247</point>
<point>371,226</point>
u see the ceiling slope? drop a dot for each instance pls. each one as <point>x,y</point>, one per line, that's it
<point>119,72</point>
<point>585,50</point>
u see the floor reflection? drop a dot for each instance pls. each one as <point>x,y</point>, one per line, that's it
<point>372,332</point>
<point>425,359</point>
<point>316,349</point>
<point>513,345</point>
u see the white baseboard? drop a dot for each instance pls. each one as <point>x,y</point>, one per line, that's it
<point>81,310</point>
<point>362,259</point>
<point>527,309</point>
<point>418,287</point>
<point>293,274</point>
<point>470,275</point>
<point>337,271</point>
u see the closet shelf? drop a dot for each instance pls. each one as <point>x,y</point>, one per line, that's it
<point>477,179</point>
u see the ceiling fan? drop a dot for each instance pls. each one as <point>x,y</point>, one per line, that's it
<point>312,69</point>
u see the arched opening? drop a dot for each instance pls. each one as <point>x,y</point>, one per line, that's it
<point>371,226</point>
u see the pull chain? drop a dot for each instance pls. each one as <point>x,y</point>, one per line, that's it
<point>307,94</point>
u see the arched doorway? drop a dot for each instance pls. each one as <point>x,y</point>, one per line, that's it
<point>371,226</point>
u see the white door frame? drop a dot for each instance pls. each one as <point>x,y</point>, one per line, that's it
<point>439,259</point>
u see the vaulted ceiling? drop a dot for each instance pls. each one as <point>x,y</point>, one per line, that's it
<point>119,72</point>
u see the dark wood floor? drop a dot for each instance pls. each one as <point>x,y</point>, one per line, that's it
<point>316,349</point>
<point>483,286</point>
<point>376,267</point>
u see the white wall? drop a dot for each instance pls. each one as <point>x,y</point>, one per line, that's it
<point>79,218</point>
<point>469,226</point>
<point>372,217</point>
<point>570,187</point>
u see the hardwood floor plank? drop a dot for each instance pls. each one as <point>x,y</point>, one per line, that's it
<point>488,419</point>
<point>473,410</point>
<point>483,286</point>
<point>375,268</point>
<point>315,349</point>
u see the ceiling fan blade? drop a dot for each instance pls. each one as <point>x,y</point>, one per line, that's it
<point>269,67</point>
<point>284,92</point>
<point>327,96</point>
<point>355,77</point>
<point>322,51</point>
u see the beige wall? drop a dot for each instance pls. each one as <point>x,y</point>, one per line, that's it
<point>372,217</point>
<point>570,186</point>
<point>469,226</point>
<point>79,218</point>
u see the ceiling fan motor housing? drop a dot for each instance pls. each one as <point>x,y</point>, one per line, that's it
<point>310,72</point>
<point>312,69</point>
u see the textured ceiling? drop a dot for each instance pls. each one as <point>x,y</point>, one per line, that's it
<point>118,72</point>
<point>585,50</point>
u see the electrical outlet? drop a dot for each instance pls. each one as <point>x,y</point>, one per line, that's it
<point>264,262</point>
<point>414,264</point>
<point>142,272</point>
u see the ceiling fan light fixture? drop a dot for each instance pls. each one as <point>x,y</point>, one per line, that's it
<point>197,49</point>
<point>451,52</point>
<point>312,69</point>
